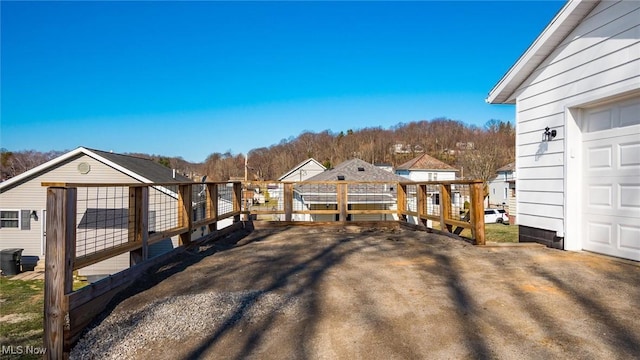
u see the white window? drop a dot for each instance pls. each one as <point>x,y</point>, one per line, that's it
<point>10,219</point>
<point>505,193</point>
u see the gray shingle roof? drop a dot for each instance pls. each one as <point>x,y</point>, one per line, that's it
<point>350,169</point>
<point>353,170</point>
<point>144,167</point>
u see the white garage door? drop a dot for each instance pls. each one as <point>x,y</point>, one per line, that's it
<point>611,178</point>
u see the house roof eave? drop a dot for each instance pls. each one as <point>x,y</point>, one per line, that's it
<point>560,26</point>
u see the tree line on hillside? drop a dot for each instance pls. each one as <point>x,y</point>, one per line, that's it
<point>476,151</point>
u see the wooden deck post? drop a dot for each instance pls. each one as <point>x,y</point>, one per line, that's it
<point>422,203</point>
<point>212,206</point>
<point>445,206</point>
<point>343,201</point>
<point>288,201</point>
<point>59,258</point>
<point>237,200</point>
<point>477,213</point>
<point>139,223</point>
<point>185,213</point>
<point>402,202</point>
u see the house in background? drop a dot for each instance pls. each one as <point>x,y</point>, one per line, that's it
<point>502,191</point>
<point>378,196</point>
<point>303,171</point>
<point>384,166</point>
<point>23,202</point>
<point>577,96</point>
<point>426,168</point>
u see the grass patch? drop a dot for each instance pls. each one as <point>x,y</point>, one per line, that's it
<point>21,317</point>
<point>501,233</point>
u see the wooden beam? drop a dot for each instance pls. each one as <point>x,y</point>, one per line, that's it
<point>212,206</point>
<point>104,254</point>
<point>59,259</point>
<point>477,213</point>
<point>185,213</point>
<point>343,205</point>
<point>422,200</point>
<point>445,207</point>
<point>402,201</point>
<point>288,201</point>
<point>237,200</point>
<point>139,216</point>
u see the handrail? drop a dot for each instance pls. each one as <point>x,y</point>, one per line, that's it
<point>156,211</point>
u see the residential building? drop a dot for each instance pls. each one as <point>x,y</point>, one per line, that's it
<point>23,201</point>
<point>502,191</point>
<point>577,96</point>
<point>426,168</point>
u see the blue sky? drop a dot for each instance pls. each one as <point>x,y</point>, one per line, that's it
<point>193,78</point>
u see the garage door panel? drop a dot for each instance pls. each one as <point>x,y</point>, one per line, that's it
<point>599,158</point>
<point>600,196</point>
<point>629,155</point>
<point>629,197</point>
<point>599,232</point>
<point>629,235</point>
<point>611,180</point>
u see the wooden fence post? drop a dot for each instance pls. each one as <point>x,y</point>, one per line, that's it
<point>237,200</point>
<point>477,213</point>
<point>422,203</point>
<point>59,257</point>
<point>445,206</point>
<point>402,202</point>
<point>139,222</point>
<point>185,213</point>
<point>343,201</point>
<point>288,201</point>
<point>212,205</point>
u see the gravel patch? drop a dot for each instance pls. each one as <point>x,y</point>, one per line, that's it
<point>124,333</point>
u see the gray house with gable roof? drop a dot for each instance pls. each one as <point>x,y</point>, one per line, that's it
<point>362,196</point>
<point>23,201</point>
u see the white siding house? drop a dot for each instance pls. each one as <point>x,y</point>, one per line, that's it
<point>303,171</point>
<point>577,96</point>
<point>502,190</point>
<point>426,168</point>
<point>25,195</point>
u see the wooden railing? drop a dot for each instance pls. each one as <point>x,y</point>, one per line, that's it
<point>89,223</point>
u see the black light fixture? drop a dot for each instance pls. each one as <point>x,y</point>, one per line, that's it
<point>34,215</point>
<point>548,134</point>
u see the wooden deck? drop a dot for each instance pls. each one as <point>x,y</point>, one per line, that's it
<point>28,275</point>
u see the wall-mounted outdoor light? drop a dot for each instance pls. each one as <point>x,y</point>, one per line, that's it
<point>34,215</point>
<point>548,134</point>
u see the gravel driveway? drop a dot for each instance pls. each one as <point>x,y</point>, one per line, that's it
<point>352,293</point>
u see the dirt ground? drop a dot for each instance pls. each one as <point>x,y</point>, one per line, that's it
<point>359,293</point>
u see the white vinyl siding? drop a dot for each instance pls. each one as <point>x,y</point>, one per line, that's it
<point>427,175</point>
<point>31,195</point>
<point>599,58</point>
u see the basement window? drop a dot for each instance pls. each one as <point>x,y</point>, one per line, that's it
<point>361,169</point>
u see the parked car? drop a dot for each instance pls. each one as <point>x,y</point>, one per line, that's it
<point>495,216</point>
